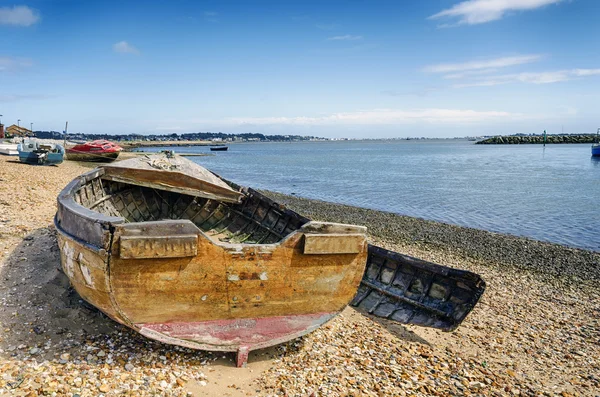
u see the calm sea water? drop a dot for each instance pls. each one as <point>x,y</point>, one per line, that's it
<point>550,194</point>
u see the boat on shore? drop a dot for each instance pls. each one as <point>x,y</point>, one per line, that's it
<point>99,150</point>
<point>220,148</point>
<point>596,146</point>
<point>9,149</point>
<point>32,151</point>
<point>182,256</point>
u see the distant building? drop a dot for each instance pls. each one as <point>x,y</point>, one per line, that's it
<point>1,131</point>
<point>15,130</point>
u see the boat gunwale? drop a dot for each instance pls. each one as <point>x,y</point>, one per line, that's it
<point>66,201</point>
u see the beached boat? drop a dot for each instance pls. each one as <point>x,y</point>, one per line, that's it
<point>9,149</point>
<point>98,150</point>
<point>219,148</point>
<point>180,255</point>
<point>32,151</point>
<point>596,146</point>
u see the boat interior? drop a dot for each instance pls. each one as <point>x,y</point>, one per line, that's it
<point>257,220</point>
<point>39,147</point>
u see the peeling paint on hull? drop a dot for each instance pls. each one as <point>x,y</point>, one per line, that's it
<point>229,335</point>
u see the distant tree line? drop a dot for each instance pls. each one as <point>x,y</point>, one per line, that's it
<point>197,136</point>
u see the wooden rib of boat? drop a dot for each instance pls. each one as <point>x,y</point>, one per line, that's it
<point>182,256</point>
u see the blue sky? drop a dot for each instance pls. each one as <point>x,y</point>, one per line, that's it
<point>437,68</point>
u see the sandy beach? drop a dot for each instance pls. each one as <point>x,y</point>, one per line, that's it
<point>536,331</point>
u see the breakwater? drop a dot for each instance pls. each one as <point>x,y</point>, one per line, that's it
<point>533,139</point>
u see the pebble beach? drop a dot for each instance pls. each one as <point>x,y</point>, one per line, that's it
<point>535,332</point>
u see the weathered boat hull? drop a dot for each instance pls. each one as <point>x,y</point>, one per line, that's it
<point>236,273</point>
<point>41,157</point>
<point>412,291</point>
<point>73,155</point>
<point>9,149</point>
<point>99,150</point>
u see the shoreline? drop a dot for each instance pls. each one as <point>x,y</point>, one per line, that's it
<point>534,331</point>
<point>552,258</point>
<point>129,145</point>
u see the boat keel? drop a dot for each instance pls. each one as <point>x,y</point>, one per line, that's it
<point>242,356</point>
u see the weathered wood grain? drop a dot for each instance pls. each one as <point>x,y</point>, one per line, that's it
<point>335,243</point>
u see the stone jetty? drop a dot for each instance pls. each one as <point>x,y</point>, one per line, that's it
<point>533,139</point>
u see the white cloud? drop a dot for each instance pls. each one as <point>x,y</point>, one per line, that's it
<point>483,64</point>
<point>379,117</point>
<point>9,64</point>
<point>15,98</point>
<point>345,37</point>
<point>18,16</point>
<point>125,48</point>
<point>210,14</point>
<point>532,77</point>
<point>585,72</point>
<point>472,12</point>
<point>469,73</point>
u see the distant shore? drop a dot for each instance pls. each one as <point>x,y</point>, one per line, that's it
<point>139,144</point>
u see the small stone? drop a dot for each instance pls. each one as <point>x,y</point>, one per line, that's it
<point>104,388</point>
<point>34,350</point>
<point>202,383</point>
<point>476,385</point>
<point>101,353</point>
<point>129,367</point>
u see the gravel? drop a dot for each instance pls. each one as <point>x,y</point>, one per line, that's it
<point>535,332</point>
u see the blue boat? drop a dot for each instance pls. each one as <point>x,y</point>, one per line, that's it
<point>34,152</point>
<point>596,146</point>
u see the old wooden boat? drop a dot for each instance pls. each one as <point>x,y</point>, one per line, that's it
<point>167,248</point>
<point>32,151</point>
<point>99,150</point>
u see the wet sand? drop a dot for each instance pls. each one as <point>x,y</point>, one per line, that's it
<point>536,330</point>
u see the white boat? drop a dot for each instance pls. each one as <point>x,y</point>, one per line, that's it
<point>32,151</point>
<point>9,149</point>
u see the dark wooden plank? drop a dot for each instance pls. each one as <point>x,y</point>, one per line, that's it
<point>419,292</point>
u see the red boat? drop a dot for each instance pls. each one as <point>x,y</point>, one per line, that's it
<point>98,150</point>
